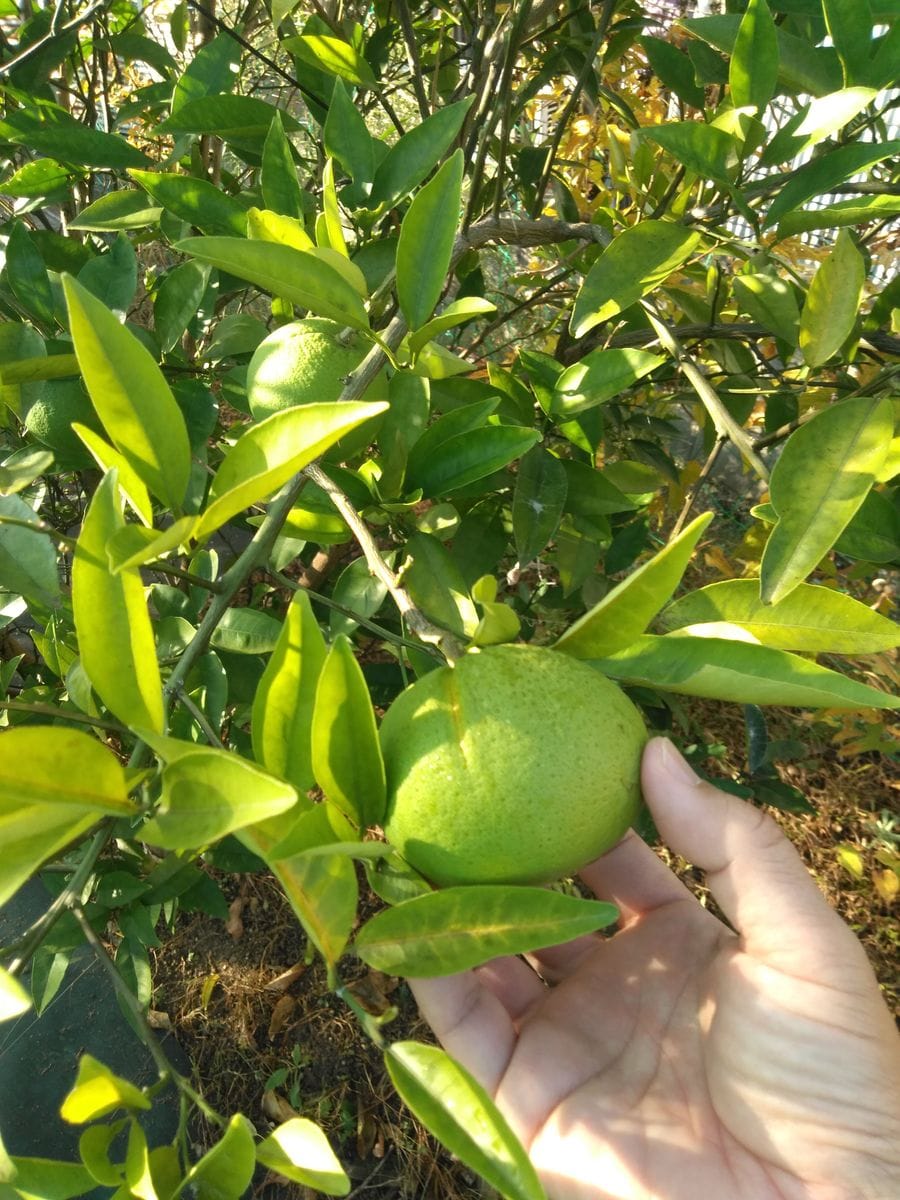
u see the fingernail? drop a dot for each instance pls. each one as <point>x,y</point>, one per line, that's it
<point>676,764</point>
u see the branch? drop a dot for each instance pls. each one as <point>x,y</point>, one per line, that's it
<point>415,619</point>
<point>726,426</point>
<point>56,30</point>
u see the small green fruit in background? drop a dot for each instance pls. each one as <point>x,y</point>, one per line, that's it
<point>63,402</point>
<point>517,765</point>
<point>305,363</point>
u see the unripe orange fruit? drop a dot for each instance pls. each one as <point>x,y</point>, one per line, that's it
<point>516,765</point>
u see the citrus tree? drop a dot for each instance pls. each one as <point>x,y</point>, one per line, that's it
<point>342,341</point>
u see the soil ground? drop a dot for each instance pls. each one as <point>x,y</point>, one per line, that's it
<point>266,1036</point>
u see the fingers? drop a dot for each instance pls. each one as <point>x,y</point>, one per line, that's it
<point>756,876</point>
<point>470,1021</point>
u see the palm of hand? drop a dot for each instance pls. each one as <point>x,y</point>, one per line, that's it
<point>679,1054</point>
<point>677,1060</point>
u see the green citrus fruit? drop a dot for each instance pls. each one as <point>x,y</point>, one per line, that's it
<point>516,765</point>
<point>61,403</point>
<point>304,363</point>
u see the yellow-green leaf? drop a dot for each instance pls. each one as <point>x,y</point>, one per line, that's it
<point>457,1109</point>
<point>225,1172</point>
<point>268,454</point>
<point>626,611</point>
<point>299,1151</point>
<point>131,396</point>
<point>820,481</point>
<point>14,1000</point>
<point>130,483</point>
<point>97,1092</point>
<point>346,754</point>
<point>283,705</point>
<point>832,302</point>
<point>115,637</point>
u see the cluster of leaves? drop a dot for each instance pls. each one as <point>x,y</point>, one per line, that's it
<point>163,218</point>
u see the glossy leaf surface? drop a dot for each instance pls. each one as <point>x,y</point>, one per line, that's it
<point>825,470</point>
<point>457,1109</point>
<point>627,610</point>
<point>426,242</point>
<point>456,928</point>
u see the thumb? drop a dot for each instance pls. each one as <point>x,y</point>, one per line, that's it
<point>752,870</point>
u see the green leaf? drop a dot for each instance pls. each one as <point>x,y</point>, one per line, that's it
<point>825,470</point>
<point>41,811</point>
<point>753,71</point>
<point>358,590</point>
<point>108,459</point>
<point>212,69</point>
<point>28,563</point>
<point>814,122</point>
<point>323,893</point>
<point>207,794</point>
<point>93,1149</point>
<point>703,149</point>
<point>852,29</point>
<point>626,611</point>
<point>456,928</point>
<point>468,457</point>
<point>332,55</point>
<point>27,275</point>
<point>14,1000</point>
<point>267,226</point>
<point>803,68</point>
<point>591,493</point>
<point>72,142</point>
<point>268,454</point>
<point>812,619</point>
<point>346,753</point>
<point>17,472</point>
<point>283,704</point>
<point>115,637</point>
<point>298,1150</point>
<point>461,420</point>
<point>43,1179</point>
<point>98,1092</point>
<point>196,201</point>
<point>278,176</point>
<point>673,67</point>
<point>433,580</point>
<point>131,396</point>
<point>823,173</point>
<point>347,139</point>
<point>632,265</point>
<point>538,503</point>
<point>467,309</point>
<point>246,631</point>
<point>112,277</point>
<point>458,1111</point>
<point>770,301</point>
<point>408,162</point>
<point>832,302</point>
<point>856,211</point>
<point>225,1172</point>
<point>126,209</point>
<point>740,672</point>
<point>426,242</point>
<point>301,278</point>
<point>874,532</point>
<point>230,117</point>
<point>134,545</point>
<point>176,301</point>
<point>40,178</point>
<point>598,377</point>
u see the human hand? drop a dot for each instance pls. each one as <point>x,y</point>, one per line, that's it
<point>679,1060</point>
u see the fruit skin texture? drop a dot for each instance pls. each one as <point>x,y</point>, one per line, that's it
<point>50,418</point>
<point>517,765</point>
<point>304,363</point>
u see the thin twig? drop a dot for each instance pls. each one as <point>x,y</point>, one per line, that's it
<point>55,30</point>
<point>693,492</point>
<point>200,717</point>
<point>412,56</point>
<point>62,714</point>
<point>139,1017</point>
<point>415,619</point>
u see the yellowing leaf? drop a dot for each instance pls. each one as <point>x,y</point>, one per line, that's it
<point>98,1091</point>
<point>851,860</point>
